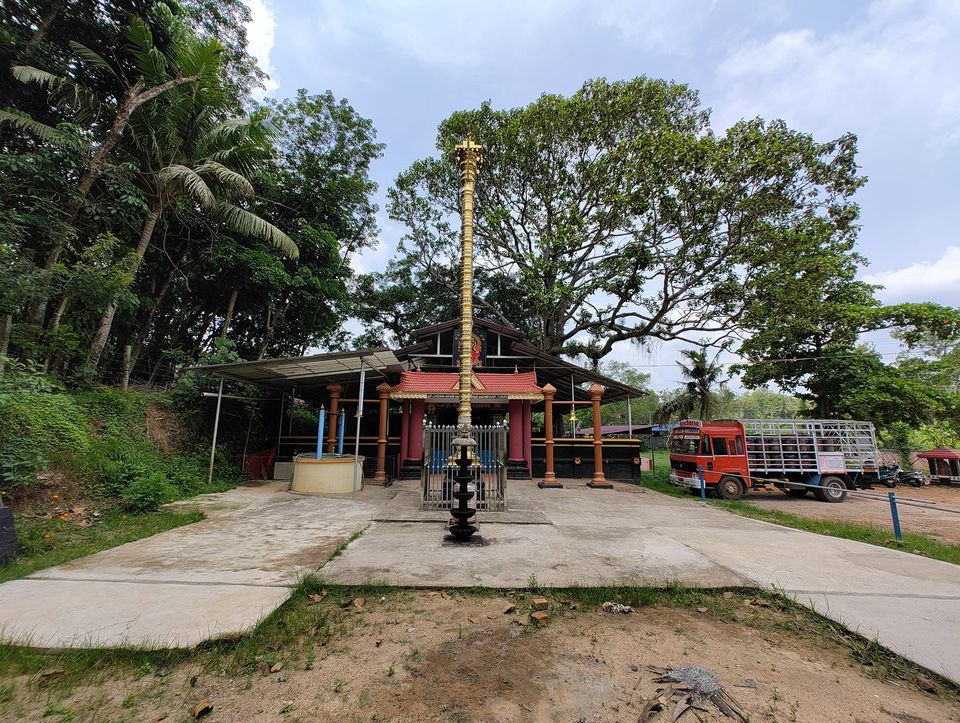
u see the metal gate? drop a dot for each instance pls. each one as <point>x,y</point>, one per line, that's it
<point>440,468</point>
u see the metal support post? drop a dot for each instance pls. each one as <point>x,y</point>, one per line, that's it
<point>216,429</point>
<point>703,485</point>
<point>896,516</point>
<point>356,441</point>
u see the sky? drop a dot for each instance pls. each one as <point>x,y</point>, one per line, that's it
<point>882,69</point>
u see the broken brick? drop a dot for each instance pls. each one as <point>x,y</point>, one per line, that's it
<point>540,603</point>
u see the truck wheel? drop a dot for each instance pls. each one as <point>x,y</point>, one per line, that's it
<point>831,489</point>
<point>730,488</point>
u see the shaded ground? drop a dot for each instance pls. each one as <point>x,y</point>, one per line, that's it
<point>424,656</point>
<point>939,525</point>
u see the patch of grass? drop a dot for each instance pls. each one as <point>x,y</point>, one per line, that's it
<point>339,550</point>
<point>912,542</point>
<point>44,543</point>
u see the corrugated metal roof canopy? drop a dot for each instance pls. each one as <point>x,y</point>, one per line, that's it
<point>304,371</point>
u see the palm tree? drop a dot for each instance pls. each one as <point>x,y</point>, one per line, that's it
<point>156,74</point>
<point>190,158</point>
<point>699,390</point>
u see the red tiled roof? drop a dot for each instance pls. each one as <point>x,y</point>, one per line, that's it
<point>448,383</point>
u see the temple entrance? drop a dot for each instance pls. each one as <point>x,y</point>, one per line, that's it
<point>440,470</point>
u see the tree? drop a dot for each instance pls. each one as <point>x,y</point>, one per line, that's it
<point>808,311</point>
<point>187,156</point>
<point>617,213</point>
<point>156,75</point>
<point>698,393</point>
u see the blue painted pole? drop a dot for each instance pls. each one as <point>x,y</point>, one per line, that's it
<point>703,485</point>
<point>896,517</point>
<point>343,420</point>
<point>323,415</point>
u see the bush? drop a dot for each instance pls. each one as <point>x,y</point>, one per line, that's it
<point>147,492</point>
<point>18,466</point>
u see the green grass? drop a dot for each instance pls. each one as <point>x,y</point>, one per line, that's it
<point>45,543</point>
<point>913,542</point>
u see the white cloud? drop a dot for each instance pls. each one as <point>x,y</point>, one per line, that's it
<point>438,32</point>
<point>260,39</point>
<point>682,27</point>
<point>889,73</point>
<point>922,281</point>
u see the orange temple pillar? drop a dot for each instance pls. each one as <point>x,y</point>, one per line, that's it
<point>381,475</point>
<point>335,391</point>
<point>549,478</point>
<point>598,481</point>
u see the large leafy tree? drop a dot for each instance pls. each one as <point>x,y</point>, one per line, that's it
<point>618,213</point>
<point>808,311</point>
<point>187,155</point>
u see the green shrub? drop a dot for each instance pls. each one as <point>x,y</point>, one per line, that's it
<point>18,466</point>
<point>147,492</point>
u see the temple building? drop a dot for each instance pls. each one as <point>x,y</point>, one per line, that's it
<point>408,390</point>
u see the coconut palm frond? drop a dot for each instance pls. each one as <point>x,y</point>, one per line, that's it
<point>189,180</point>
<point>250,224</point>
<point>43,131</point>
<point>228,177</point>
<point>150,62</point>
<point>92,59</point>
<point>681,403</point>
<point>29,74</point>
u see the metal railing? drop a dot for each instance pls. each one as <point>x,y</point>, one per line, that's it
<point>440,469</point>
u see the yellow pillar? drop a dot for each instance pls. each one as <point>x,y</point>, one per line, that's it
<point>598,481</point>
<point>381,475</point>
<point>549,477</point>
<point>335,390</point>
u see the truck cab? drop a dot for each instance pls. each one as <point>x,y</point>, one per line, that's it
<point>715,447</point>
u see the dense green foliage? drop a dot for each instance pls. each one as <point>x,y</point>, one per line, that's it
<point>100,439</point>
<point>151,207</point>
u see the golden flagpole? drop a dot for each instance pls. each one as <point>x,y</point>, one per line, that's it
<point>469,157</point>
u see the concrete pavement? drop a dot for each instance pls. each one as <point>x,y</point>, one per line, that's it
<point>633,536</point>
<point>211,579</point>
<point>220,576</point>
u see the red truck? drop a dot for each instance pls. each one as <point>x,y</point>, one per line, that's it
<point>827,456</point>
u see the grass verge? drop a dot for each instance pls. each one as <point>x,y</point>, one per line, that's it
<point>914,543</point>
<point>45,543</point>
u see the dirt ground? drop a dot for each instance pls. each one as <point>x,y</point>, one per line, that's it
<point>430,656</point>
<point>943,526</point>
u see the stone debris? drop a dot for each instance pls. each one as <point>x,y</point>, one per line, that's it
<point>685,690</point>
<point>359,602</point>
<point>540,618</point>
<point>540,603</point>
<point>612,607</point>
<point>507,609</point>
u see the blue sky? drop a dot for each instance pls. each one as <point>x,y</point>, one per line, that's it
<point>884,70</point>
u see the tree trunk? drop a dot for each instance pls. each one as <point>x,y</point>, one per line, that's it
<point>139,338</point>
<point>271,328</point>
<point>228,315</point>
<point>50,363</point>
<point>106,321</point>
<point>135,97</point>
<point>6,328</point>
<point>46,20</point>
